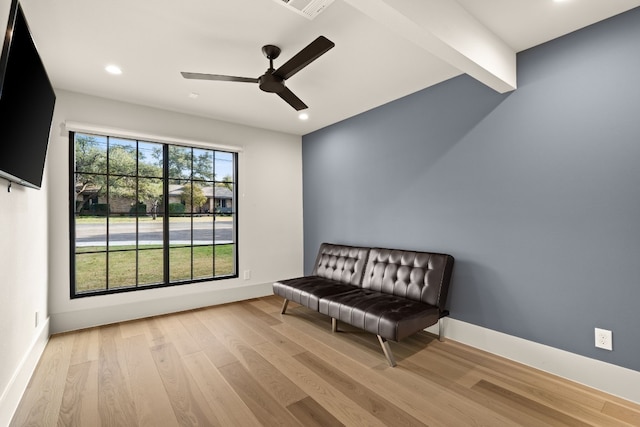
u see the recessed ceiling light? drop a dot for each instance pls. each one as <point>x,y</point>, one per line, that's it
<point>303,116</point>
<point>193,95</point>
<point>113,69</point>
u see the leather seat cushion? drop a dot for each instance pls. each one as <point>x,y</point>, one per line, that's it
<point>392,317</point>
<point>309,290</point>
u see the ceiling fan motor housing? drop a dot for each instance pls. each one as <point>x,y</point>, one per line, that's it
<point>269,82</point>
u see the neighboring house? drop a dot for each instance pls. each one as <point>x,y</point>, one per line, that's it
<point>219,199</point>
<point>91,201</point>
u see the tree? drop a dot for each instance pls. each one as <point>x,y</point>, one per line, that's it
<point>122,171</point>
<point>193,196</point>
<point>150,190</point>
<point>227,182</point>
<point>120,161</point>
<point>179,163</point>
<point>203,165</point>
<point>91,162</point>
<point>186,163</point>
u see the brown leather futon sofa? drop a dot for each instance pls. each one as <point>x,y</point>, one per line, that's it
<point>392,293</point>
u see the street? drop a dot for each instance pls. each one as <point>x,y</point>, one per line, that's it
<point>150,232</point>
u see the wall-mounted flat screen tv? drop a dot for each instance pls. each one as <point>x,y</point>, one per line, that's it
<point>27,100</point>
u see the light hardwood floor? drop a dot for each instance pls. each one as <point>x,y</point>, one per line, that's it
<point>245,364</point>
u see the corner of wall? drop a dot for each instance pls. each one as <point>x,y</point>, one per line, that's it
<point>12,395</point>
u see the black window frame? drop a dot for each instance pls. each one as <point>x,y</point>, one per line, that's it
<point>165,214</point>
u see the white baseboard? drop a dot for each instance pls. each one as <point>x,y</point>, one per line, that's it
<point>11,396</point>
<point>612,379</point>
<point>87,318</point>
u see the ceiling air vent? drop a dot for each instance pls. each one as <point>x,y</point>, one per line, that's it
<point>307,8</point>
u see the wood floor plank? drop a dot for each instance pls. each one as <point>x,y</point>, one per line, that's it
<point>227,405</point>
<point>310,414</point>
<point>85,346</point>
<point>276,302</point>
<point>229,333</point>
<point>622,413</point>
<point>265,330</point>
<point>133,328</point>
<point>228,321</point>
<point>378,406</point>
<point>582,402</point>
<point>153,406</point>
<point>189,405</point>
<point>80,399</point>
<point>258,314</point>
<point>442,370</point>
<point>504,368</point>
<point>155,331</point>
<point>317,325</point>
<point>115,403</point>
<point>219,355</point>
<point>546,415</point>
<point>43,397</point>
<point>466,400</point>
<point>264,305</point>
<point>235,336</point>
<point>463,407</point>
<point>335,402</point>
<point>176,333</point>
<point>198,331</point>
<point>270,377</point>
<point>297,330</point>
<point>545,398</point>
<point>265,407</point>
<point>434,375</point>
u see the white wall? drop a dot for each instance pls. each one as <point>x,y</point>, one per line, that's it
<point>23,281</point>
<point>270,212</point>
<point>23,288</point>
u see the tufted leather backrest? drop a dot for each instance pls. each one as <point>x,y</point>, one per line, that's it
<point>342,263</point>
<point>420,276</point>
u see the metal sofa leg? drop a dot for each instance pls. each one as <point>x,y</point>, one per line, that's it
<point>284,306</point>
<point>334,324</point>
<point>440,330</point>
<point>387,351</point>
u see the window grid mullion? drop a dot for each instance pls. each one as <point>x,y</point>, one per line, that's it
<point>192,211</point>
<point>215,216</point>
<point>136,209</point>
<point>166,215</point>
<point>108,214</point>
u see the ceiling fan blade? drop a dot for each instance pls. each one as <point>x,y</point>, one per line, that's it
<point>218,77</point>
<point>292,100</point>
<point>313,51</point>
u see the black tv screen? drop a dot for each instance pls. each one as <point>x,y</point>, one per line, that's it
<point>27,100</point>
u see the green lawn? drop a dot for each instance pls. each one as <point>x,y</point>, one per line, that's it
<point>91,268</point>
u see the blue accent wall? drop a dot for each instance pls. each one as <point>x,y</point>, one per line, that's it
<point>536,193</point>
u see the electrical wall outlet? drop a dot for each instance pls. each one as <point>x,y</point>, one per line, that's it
<point>604,339</point>
<point>247,274</point>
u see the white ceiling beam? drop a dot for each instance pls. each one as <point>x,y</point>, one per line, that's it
<point>446,30</point>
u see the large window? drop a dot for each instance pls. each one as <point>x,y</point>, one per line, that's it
<point>146,214</point>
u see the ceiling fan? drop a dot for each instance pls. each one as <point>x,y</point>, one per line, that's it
<point>273,80</point>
